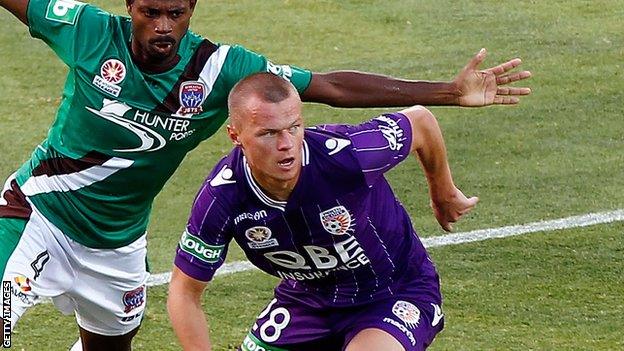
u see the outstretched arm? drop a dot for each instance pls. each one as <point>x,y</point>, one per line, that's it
<point>185,311</point>
<point>17,8</point>
<point>471,87</point>
<point>448,202</point>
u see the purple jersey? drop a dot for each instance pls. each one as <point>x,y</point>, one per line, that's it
<point>342,238</point>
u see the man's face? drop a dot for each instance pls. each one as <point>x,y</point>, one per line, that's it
<point>271,136</point>
<point>158,26</point>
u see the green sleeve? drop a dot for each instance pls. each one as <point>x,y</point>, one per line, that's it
<point>72,29</point>
<point>241,63</point>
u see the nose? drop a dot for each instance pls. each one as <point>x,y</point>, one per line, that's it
<point>163,25</point>
<point>285,141</point>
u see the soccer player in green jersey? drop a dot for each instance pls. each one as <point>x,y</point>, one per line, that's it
<point>140,93</point>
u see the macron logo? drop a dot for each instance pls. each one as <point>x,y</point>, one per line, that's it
<point>335,145</point>
<point>223,177</point>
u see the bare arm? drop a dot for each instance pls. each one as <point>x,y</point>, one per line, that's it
<point>471,87</point>
<point>17,7</point>
<point>186,313</point>
<point>448,202</point>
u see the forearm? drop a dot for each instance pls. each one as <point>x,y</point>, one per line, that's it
<point>357,89</point>
<point>189,322</point>
<point>185,311</point>
<point>429,147</point>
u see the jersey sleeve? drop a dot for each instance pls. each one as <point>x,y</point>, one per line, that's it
<point>69,27</point>
<point>241,63</point>
<point>203,246</point>
<point>379,144</point>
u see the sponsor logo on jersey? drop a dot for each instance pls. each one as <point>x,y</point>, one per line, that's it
<point>141,123</point>
<point>112,72</point>
<point>223,177</point>
<point>337,220</point>
<point>256,216</point>
<point>197,248</point>
<point>336,144</point>
<point>134,298</point>
<point>319,262</point>
<point>192,96</point>
<point>283,71</point>
<point>393,133</point>
<point>64,11</point>
<point>260,238</point>
<point>251,343</point>
<point>402,328</point>
<point>407,312</point>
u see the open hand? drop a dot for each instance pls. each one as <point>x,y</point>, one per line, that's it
<point>486,87</point>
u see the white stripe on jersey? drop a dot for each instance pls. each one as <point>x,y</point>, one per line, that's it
<point>213,67</point>
<point>74,181</point>
<point>280,205</point>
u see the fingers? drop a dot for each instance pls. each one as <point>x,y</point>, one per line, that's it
<point>504,67</point>
<point>448,217</point>
<point>476,60</point>
<point>512,91</point>
<point>512,77</point>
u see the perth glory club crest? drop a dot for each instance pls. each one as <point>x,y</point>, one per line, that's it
<point>337,220</point>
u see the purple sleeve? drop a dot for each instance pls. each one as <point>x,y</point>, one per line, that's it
<point>378,144</point>
<point>203,246</point>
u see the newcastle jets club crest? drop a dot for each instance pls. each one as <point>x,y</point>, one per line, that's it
<point>337,220</point>
<point>192,96</point>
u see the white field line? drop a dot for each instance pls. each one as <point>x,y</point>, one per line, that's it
<point>449,239</point>
<point>456,238</point>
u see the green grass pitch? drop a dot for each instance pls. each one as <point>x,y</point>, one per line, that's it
<point>559,153</point>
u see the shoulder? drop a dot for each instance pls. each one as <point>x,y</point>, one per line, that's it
<point>224,184</point>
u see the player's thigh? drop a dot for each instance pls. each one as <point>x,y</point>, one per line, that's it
<point>96,342</point>
<point>288,325</point>
<point>33,263</point>
<point>110,293</point>
<point>412,323</point>
<point>374,339</point>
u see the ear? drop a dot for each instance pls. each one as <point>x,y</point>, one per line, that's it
<point>233,134</point>
<point>129,7</point>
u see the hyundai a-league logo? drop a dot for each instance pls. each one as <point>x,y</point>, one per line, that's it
<point>337,220</point>
<point>260,238</point>
<point>134,298</point>
<point>407,312</point>
<point>192,96</point>
<point>113,71</point>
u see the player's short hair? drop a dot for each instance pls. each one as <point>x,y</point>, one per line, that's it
<point>265,86</point>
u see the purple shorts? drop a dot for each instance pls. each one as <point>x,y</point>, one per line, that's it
<point>288,324</point>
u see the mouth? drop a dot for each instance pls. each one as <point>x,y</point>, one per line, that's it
<point>286,163</point>
<point>162,44</point>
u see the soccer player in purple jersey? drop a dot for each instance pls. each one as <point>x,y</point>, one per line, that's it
<point>312,207</point>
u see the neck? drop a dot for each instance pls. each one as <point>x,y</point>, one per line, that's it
<point>276,189</point>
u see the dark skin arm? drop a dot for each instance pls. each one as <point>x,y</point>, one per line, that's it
<point>17,7</point>
<point>472,87</point>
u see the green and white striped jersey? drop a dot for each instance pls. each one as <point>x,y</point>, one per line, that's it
<point>120,132</point>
